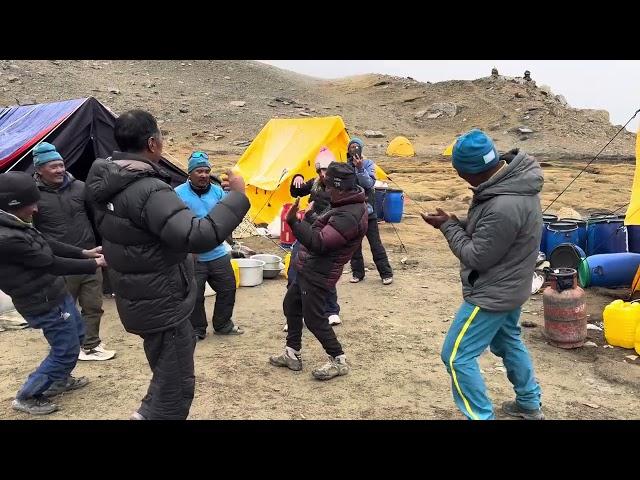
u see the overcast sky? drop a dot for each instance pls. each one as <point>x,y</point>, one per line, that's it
<point>612,85</point>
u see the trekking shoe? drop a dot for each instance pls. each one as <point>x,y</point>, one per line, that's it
<point>387,281</point>
<point>236,330</point>
<point>515,410</point>
<point>336,366</point>
<point>355,279</point>
<point>334,320</point>
<point>58,387</point>
<point>35,405</point>
<point>289,358</point>
<point>136,416</point>
<point>96,353</point>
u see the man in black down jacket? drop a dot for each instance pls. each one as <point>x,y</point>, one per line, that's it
<point>64,216</point>
<point>29,269</point>
<point>147,235</point>
<point>325,248</point>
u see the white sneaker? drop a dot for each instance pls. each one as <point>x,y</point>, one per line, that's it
<point>334,320</point>
<point>285,328</point>
<point>387,281</point>
<point>97,354</point>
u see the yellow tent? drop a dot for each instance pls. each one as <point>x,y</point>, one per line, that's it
<point>282,149</point>
<point>633,210</point>
<point>400,147</point>
<point>449,150</point>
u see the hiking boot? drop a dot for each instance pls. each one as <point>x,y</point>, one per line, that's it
<point>58,387</point>
<point>336,366</point>
<point>97,353</point>
<point>289,358</point>
<point>334,320</point>
<point>34,405</point>
<point>515,410</point>
<point>236,330</point>
<point>387,281</point>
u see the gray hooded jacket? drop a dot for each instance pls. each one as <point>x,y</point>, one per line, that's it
<point>498,244</point>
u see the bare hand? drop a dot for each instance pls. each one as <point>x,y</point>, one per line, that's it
<point>291,214</point>
<point>436,220</point>
<point>93,253</point>
<point>357,161</point>
<point>100,261</point>
<point>233,182</point>
<point>298,181</point>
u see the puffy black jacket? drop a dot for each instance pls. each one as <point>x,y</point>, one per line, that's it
<point>330,242</point>
<point>147,233</point>
<point>62,213</point>
<point>30,265</point>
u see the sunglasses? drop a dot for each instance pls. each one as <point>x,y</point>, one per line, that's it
<point>197,155</point>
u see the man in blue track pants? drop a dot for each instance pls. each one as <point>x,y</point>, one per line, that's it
<point>497,246</point>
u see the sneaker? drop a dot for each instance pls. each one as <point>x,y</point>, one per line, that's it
<point>58,387</point>
<point>285,328</point>
<point>236,330</point>
<point>200,335</point>
<point>336,366</point>
<point>515,410</point>
<point>35,405</point>
<point>96,353</point>
<point>334,320</point>
<point>136,416</point>
<point>355,280</point>
<point>387,281</point>
<point>289,358</point>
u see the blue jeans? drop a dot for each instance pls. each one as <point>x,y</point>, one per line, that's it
<point>471,332</point>
<point>63,328</point>
<point>332,307</point>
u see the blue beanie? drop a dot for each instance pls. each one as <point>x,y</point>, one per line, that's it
<point>358,141</point>
<point>44,153</point>
<point>474,152</point>
<point>197,160</point>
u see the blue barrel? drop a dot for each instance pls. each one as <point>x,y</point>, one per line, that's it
<point>393,206</point>
<point>547,218</point>
<point>608,270</point>
<point>560,232</point>
<point>380,193</point>
<point>633,231</point>
<point>606,235</point>
<point>582,230</point>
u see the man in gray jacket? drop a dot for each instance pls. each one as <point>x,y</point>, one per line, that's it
<point>497,247</point>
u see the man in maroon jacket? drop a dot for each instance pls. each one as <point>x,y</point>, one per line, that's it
<point>325,247</point>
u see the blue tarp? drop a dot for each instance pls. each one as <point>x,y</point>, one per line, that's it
<point>22,126</point>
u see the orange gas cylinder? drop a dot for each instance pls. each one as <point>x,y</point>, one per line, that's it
<point>565,315</point>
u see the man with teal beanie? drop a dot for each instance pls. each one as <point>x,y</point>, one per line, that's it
<point>201,194</point>
<point>497,246</point>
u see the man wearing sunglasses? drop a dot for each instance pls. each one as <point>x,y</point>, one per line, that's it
<point>148,233</point>
<point>201,195</point>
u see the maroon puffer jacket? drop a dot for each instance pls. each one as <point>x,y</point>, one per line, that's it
<point>329,243</point>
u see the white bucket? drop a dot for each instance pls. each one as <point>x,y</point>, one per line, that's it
<point>271,262</point>
<point>250,271</point>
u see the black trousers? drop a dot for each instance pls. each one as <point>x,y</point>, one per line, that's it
<point>219,274</point>
<point>309,301</point>
<point>170,356</point>
<point>377,250</point>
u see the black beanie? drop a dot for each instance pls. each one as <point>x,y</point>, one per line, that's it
<point>17,189</point>
<point>341,176</point>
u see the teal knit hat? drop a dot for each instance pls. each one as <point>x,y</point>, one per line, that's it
<point>44,153</point>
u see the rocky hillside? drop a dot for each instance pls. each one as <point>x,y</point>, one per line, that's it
<point>221,105</point>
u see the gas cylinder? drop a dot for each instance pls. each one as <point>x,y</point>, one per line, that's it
<point>565,315</point>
